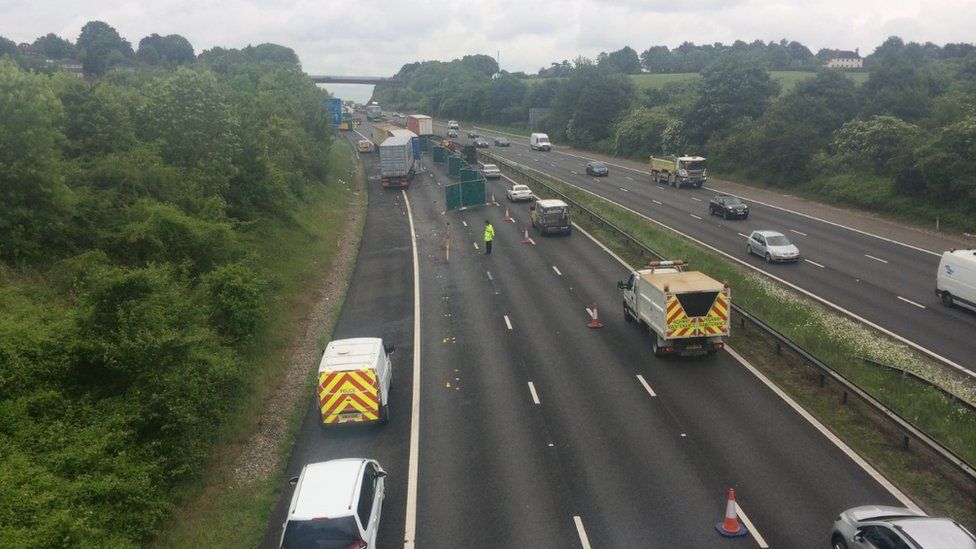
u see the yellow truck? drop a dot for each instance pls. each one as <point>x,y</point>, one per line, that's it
<point>381,132</point>
<point>687,312</point>
<point>679,170</point>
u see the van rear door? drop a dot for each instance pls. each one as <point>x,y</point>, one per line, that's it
<point>349,396</point>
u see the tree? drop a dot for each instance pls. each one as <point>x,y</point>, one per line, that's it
<point>482,64</point>
<point>170,50</point>
<point>624,60</point>
<point>101,121</point>
<point>876,143</point>
<point>586,104</point>
<point>100,47</point>
<point>656,59</point>
<point>504,92</point>
<point>54,47</point>
<point>8,48</point>
<point>640,132</point>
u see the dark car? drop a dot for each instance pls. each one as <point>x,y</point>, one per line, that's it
<point>597,169</point>
<point>728,206</point>
<point>481,143</point>
<point>501,142</point>
<point>472,134</point>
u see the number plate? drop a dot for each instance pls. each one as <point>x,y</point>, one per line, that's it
<point>346,417</point>
<point>693,347</point>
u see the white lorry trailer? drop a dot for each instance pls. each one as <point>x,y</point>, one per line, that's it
<point>687,312</point>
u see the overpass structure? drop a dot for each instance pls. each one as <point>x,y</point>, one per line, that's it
<point>356,80</point>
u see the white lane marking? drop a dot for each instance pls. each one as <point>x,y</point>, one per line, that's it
<point>814,263</point>
<point>582,532</point>
<point>536,159</point>
<point>475,245</point>
<point>535,396</point>
<point>589,311</point>
<point>629,178</point>
<point>798,232</point>
<point>531,241</point>
<point>574,173</point>
<point>410,525</point>
<point>750,527</point>
<point>695,216</point>
<point>875,258</point>
<point>489,275</point>
<point>465,223</point>
<point>557,270</point>
<point>743,235</point>
<point>854,456</point>
<point>508,322</point>
<point>658,202</point>
<point>919,305</point>
<point>552,165</point>
<point>696,198</point>
<point>646,386</point>
<point>624,190</point>
<point>660,187</point>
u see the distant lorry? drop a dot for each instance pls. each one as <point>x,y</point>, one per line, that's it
<point>687,312</point>
<point>539,141</point>
<point>373,111</point>
<point>678,170</point>
<point>420,124</point>
<point>955,282</point>
<point>397,160</point>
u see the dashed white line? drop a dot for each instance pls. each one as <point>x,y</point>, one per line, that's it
<point>465,223</point>
<point>743,235</point>
<point>508,322</point>
<point>814,263</point>
<point>557,270</point>
<point>582,532</point>
<point>475,245</point>
<point>749,526</point>
<point>489,275</point>
<point>875,258</point>
<point>624,190</point>
<point>552,165</point>
<point>695,216</point>
<point>574,173</point>
<point>696,198</point>
<point>629,178</point>
<point>657,202</point>
<point>660,187</point>
<point>535,396</point>
<point>797,232</point>
<point>909,301</point>
<point>646,386</point>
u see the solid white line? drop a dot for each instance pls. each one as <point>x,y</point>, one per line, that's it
<point>508,322</point>
<point>410,526</point>
<point>696,198</point>
<point>552,165</point>
<point>557,270</point>
<point>919,305</point>
<point>475,245</point>
<point>750,527</point>
<point>489,275</point>
<point>535,396</point>
<point>875,258</point>
<point>798,232</point>
<point>695,216</point>
<point>582,532</point>
<point>657,202</point>
<point>624,190</point>
<point>814,263</point>
<point>646,386</point>
<point>854,456</point>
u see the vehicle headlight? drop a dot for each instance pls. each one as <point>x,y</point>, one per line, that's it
<point>704,173</point>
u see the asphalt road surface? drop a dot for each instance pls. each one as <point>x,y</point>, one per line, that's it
<point>537,431</point>
<point>878,279</point>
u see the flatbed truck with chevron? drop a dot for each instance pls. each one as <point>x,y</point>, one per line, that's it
<point>686,312</point>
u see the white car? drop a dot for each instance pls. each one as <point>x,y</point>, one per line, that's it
<point>873,526</point>
<point>517,193</point>
<point>772,246</point>
<point>491,171</point>
<point>453,125</point>
<point>336,505</point>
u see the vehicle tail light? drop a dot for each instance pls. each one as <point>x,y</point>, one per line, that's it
<point>669,349</point>
<point>360,544</point>
<point>718,345</point>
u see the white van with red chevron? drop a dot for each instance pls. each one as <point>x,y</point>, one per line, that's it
<point>354,381</point>
<point>687,312</point>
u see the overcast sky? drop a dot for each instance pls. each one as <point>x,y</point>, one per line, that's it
<point>376,38</point>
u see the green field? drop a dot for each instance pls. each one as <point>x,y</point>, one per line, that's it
<point>787,79</point>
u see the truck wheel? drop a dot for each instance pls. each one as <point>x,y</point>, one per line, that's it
<point>725,214</point>
<point>385,414</point>
<point>656,349</point>
<point>627,318</point>
<point>748,249</point>
<point>946,299</point>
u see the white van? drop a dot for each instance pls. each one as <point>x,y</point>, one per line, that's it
<point>539,142</point>
<point>453,125</point>
<point>353,384</point>
<point>336,504</point>
<point>955,283</point>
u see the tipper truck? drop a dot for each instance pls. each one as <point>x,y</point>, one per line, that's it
<point>420,124</point>
<point>687,312</point>
<point>381,132</point>
<point>679,170</point>
<point>396,160</point>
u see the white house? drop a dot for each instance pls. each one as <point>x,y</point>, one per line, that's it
<point>840,59</point>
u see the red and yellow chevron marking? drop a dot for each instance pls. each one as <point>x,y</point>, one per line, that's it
<point>716,322</point>
<point>353,391</point>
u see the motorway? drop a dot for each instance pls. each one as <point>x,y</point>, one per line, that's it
<point>537,431</point>
<point>880,280</point>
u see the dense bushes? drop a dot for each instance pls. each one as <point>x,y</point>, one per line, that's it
<point>130,215</point>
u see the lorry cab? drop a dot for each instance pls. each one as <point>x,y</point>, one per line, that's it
<point>353,383</point>
<point>955,282</point>
<point>551,216</point>
<point>539,142</point>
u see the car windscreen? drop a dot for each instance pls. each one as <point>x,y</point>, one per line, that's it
<point>598,165</point>
<point>491,167</point>
<point>543,140</point>
<point>732,201</point>
<point>557,213</point>
<point>337,533</point>
<point>777,240</point>
<point>694,165</point>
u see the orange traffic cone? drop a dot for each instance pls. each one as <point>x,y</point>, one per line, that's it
<point>508,217</point>
<point>525,235</point>
<point>731,527</point>
<point>594,318</point>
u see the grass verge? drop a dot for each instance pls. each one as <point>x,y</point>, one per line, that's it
<point>217,511</point>
<point>841,343</point>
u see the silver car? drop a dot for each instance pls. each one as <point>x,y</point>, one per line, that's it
<point>881,526</point>
<point>772,246</point>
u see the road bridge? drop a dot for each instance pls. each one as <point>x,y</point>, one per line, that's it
<point>391,81</point>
